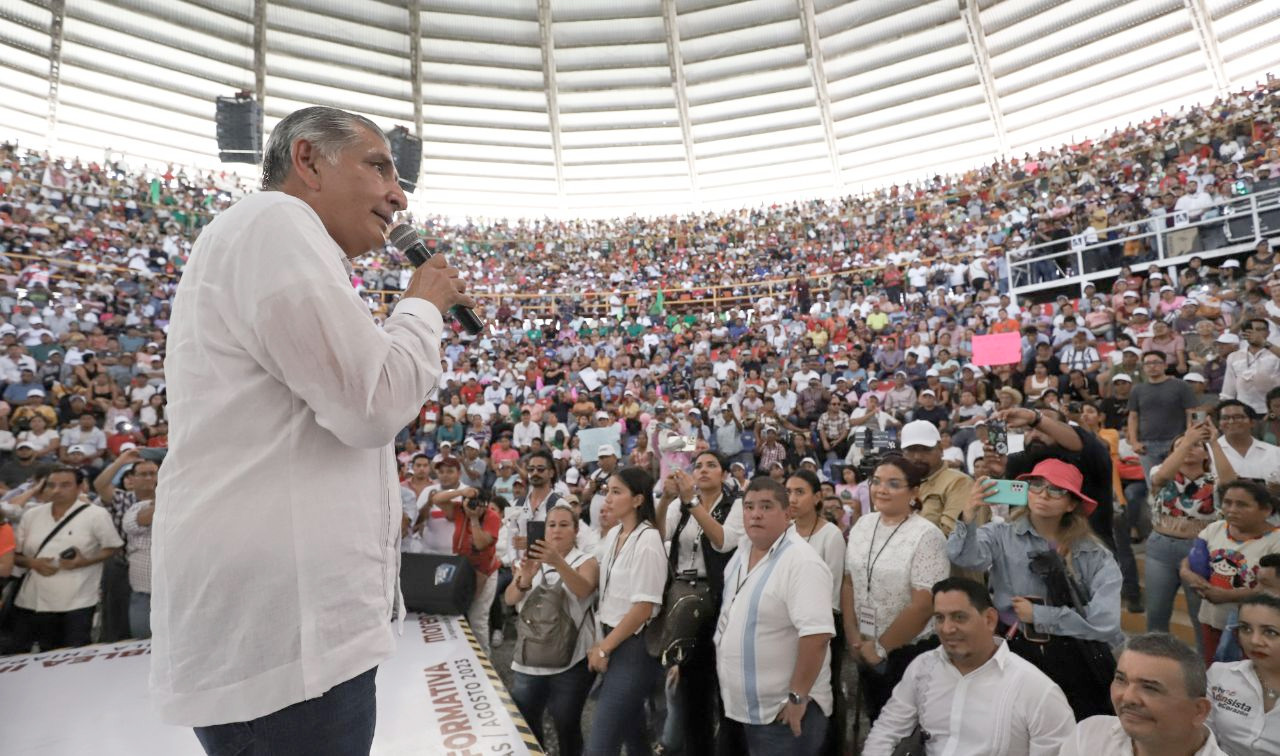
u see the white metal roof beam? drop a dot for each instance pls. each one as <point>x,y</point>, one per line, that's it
<point>59,11</point>
<point>415,63</point>
<point>982,62</point>
<point>817,72</point>
<point>1203,25</point>
<point>549,84</point>
<point>260,51</point>
<point>676,61</point>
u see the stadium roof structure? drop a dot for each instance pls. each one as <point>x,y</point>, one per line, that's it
<point>607,107</point>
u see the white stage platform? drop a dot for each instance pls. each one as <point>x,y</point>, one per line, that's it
<point>437,695</point>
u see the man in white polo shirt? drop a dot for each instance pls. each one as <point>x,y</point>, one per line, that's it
<point>772,636</point>
<point>1249,457</point>
<point>972,694</point>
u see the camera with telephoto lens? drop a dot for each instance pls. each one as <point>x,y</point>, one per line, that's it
<point>998,435</point>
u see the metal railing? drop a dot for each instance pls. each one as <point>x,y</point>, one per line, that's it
<point>1226,228</point>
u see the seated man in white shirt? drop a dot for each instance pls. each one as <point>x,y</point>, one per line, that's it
<point>1160,694</point>
<point>972,695</point>
<point>772,638</point>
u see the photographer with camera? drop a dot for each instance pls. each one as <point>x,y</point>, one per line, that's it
<point>473,534</point>
<point>54,605</point>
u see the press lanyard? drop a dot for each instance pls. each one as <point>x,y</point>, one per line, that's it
<point>632,537</point>
<point>871,563</point>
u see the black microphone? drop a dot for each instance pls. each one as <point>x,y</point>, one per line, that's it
<point>406,239</point>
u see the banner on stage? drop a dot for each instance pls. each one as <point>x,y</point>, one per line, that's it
<point>436,695</point>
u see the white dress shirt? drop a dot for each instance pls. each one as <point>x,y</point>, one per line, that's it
<point>1250,375</point>
<point>276,539</point>
<point>1006,707</point>
<point>1236,717</point>
<point>637,572</point>
<point>1104,736</point>
<point>764,613</point>
<point>1261,460</point>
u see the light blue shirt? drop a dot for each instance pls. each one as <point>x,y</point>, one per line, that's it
<point>1006,549</point>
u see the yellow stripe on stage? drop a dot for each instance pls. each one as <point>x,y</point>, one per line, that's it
<point>522,726</point>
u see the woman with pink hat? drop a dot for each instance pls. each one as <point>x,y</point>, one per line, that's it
<point>1056,586</point>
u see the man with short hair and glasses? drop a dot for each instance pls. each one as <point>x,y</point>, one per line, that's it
<point>1253,370</point>
<point>1249,457</point>
<point>1159,410</point>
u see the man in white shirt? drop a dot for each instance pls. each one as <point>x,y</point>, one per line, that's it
<point>290,539</point>
<point>1249,457</point>
<point>55,605</point>
<point>972,694</point>
<point>1253,370</point>
<point>772,637</point>
<point>1160,694</point>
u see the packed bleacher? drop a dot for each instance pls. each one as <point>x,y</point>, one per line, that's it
<point>682,361</point>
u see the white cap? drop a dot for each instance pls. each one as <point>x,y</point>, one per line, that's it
<point>1228,338</point>
<point>1194,378</point>
<point>920,433</point>
<point>602,415</point>
<point>77,448</point>
<point>35,392</point>
<point>127,446</point>
<point>932,372</point>
<point>1166,288</point>
<point>928,392</point>
<point>471,443</point>
<point>572,475</point>
<point>810,460</point>
<point>1141,311</point>
<point>443,444</point>
<point>1122,377</point>
<point>1231,264</point>
<point>1133,294</point>
<point>1132,350</point>
<point>25,445</point>
<point>606,450</point>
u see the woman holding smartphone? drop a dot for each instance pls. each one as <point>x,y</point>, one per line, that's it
<point>633,576</point>
<point>1042,547</point>
<point>1184,502</point>
<point>703,528</point>
<point>556,564</point>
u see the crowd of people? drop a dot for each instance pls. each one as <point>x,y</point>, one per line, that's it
<point>717,488</point>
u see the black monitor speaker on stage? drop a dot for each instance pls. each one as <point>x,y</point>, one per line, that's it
<point>239,121</point>
<point>406,152</point>
<point>437,583</point>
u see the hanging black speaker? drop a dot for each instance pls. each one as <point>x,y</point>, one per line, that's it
<point>239,121</point>
<point>406,152</point>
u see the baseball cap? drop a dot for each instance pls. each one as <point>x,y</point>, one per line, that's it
<point>602,415</point>
<point>1141,311</point>
<point>1122,377</point>
<point>928,392</point>
<point>77,448</point>
<point>920,433</point>
<point>126,446</point>
<point>1231,264</point>
<point>471,443</point>
<point>35,392</point>
<point>572,476</point>
<point>606,450</point>
<point>29,445</point>
<point>810,460</point>
<point>1228,338</point>
<point>1194,378</point>
<point>931,373</point>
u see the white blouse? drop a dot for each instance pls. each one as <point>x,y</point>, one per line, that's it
<point>578,609</point>
<point>828,541</point>
<point>636,572</point>
<point>1236,715</point>
<point>885,562</point>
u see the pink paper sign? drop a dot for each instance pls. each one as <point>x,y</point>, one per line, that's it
<point>997,349</point>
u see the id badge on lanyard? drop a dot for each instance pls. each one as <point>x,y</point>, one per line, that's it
<point>867,618</point>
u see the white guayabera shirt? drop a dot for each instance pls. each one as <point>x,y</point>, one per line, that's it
<point>276,536</point>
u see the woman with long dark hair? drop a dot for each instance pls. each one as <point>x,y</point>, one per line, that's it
<point>804,494</point>
<point>703,533</point>
<point>633,575</point>
<point>893,558</point>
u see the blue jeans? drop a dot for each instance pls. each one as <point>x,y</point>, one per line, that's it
<point>1164,557</point>
<point>338,723</point>
<point>619,716</point>
<point>140,615</point>
<point>1229,647</point>
<point>563,695</point>
<point>777,738</point>
<point>1135,494</point>
<point>1153,456</point>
